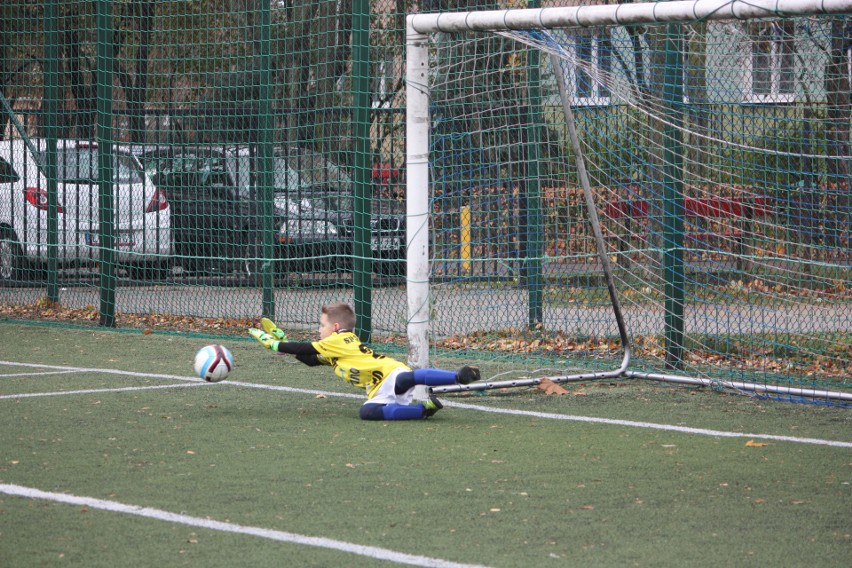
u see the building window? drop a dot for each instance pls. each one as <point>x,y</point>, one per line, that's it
<point>591,74</point>
<point>772,78</point>
<point>849,63</point>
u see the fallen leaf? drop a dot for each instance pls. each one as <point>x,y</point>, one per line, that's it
<point>753,444</point>
<point>549,387</point>
<point>320,396</point>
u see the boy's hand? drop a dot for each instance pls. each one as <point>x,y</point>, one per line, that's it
<point>264,338</point>
<point>272,329</point>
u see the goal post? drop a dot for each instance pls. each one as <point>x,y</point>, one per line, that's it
<point>700,230</point>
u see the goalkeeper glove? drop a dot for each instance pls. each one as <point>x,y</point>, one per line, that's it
<point>272,329</point>
<point>264,338</point>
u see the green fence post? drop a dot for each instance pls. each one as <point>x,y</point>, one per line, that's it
<point>532,181</point>
<point>673,203</point>
<point>51,117</point>
<point>266,162</point>
<point>362,274</point>
<point>106,205</point>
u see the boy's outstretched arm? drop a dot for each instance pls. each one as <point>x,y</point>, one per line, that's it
<point>304,352</point>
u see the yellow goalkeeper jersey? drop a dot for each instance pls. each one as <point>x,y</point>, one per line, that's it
<point>354,362</point>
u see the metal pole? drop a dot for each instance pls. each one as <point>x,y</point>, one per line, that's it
<point>743,386</point>
<point>591,209</point>
<point>266,163</point>
<point>672,221</point>
<point>417,195</point>
<point>535,238</point>
<point>621,14</point>
<point>106,205</point>
<point>362,276</point>
<point>51,118</point>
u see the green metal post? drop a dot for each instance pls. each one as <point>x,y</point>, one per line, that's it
<point>265,162</point>
<point>673,205</point>
<point>106,205</point>
<point>51,119</point>
<point>363,262</point>
<point>535,239</point>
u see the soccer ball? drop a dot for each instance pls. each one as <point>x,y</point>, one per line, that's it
<point>213,363</point>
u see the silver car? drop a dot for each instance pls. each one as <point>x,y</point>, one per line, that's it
<point>142,222</point>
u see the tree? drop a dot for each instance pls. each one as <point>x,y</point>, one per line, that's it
<point>838,131</point>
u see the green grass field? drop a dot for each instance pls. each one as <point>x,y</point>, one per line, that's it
<point>274,468</point>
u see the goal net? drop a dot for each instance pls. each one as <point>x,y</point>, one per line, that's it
<point>655,191</point>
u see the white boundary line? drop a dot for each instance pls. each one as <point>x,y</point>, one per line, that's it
<point>96,370</point>
<point>514,412</point>
<point>280,536</point>
<point>44,374</point>
<point>653,426</point>
<point>96,391</point>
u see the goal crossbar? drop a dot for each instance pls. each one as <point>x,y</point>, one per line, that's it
<point>620,14</point>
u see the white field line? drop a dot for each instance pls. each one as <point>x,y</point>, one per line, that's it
<point>97,391</point>
<point>44,374</point>
<point>651,425</point>
<point>96,370</point>
<point>280,536</point>
<point>509,411</point>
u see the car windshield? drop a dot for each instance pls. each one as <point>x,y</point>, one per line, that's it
<point>346,203</point>
<point>319,172</point>
<point>80,165</point>
<point>330,187</point>
<point>287,180</point>
<point>210,169</point>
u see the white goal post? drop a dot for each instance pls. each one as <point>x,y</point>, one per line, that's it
<point>418,119</point>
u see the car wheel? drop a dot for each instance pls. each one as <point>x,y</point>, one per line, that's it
<point>153,271</point>
<point>13,265</point>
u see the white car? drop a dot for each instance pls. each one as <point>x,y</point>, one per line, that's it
<point>142,231</point>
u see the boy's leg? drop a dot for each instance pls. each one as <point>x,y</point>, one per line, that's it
<point>468,374</point>
<point>387,404</point>
<point>373,411</point>
<point>435,378</point>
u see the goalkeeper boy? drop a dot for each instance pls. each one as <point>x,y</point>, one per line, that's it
<point>389,383</point>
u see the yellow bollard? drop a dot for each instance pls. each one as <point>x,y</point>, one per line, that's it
<point>465,238</point>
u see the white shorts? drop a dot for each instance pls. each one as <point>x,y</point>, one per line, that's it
<point>386,394</point>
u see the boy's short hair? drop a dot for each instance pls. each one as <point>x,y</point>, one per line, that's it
<point>340,313</point>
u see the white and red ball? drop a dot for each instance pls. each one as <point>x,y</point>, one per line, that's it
<point>213,363</point>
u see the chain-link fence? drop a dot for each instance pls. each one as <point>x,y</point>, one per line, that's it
<point>219,160</point>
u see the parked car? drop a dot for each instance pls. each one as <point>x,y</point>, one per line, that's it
<point>216,226</point>
<point>328,185</point>
<point>142,222</point>
<point>312,204</point>
<point>307,177</point>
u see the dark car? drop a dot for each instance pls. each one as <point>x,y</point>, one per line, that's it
<point>211,226</point>
<point>328,186</point>
<point>217,214</point>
